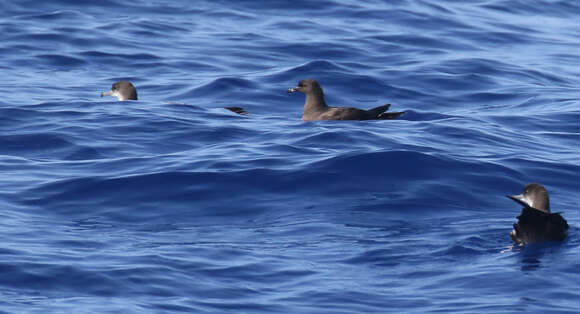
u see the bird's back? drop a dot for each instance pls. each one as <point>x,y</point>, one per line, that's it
<point>537,226</point>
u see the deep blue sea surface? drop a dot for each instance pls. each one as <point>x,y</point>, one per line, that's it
<point>173,204</point>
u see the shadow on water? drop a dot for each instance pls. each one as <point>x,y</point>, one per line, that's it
<point>532,257</point>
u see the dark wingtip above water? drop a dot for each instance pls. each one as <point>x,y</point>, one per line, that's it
<point>536,223</point>
<point>238,110</point>
<point>315,107</point>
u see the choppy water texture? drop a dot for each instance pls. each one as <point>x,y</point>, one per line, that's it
<point>172,203</point>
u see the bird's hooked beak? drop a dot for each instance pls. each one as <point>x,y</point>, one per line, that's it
<point>520,199</point>
<point>292,90</point>
<point>109,93</point>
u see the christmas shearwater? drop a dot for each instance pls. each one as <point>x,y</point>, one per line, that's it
<point>124,90</point>
<point>315,108</point>
<point>536,223</point>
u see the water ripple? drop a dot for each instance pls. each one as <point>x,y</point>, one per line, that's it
<point>173,204</point>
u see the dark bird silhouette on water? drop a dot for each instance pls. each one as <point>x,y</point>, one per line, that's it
<point>124,90</point>
<point>536,223</point>
<point>315,108</point>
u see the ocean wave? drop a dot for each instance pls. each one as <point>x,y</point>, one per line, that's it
<point>173,203</point>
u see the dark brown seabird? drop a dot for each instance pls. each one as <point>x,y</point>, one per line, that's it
<point>315,108</point>
<point>536,223</point>
<point>124,90</point>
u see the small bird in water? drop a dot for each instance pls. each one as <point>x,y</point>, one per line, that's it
<point>124,90</point>
<point>315,108</point>
<point>536,223</point>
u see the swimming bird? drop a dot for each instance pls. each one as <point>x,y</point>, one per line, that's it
<point>315,108</point>
<point>124,90</point>
<point>536,223</point>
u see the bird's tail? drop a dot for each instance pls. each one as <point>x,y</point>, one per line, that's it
<point>377,111</point>
<point>390,115</point>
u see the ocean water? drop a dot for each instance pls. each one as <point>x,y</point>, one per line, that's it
<point>173,204</point>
